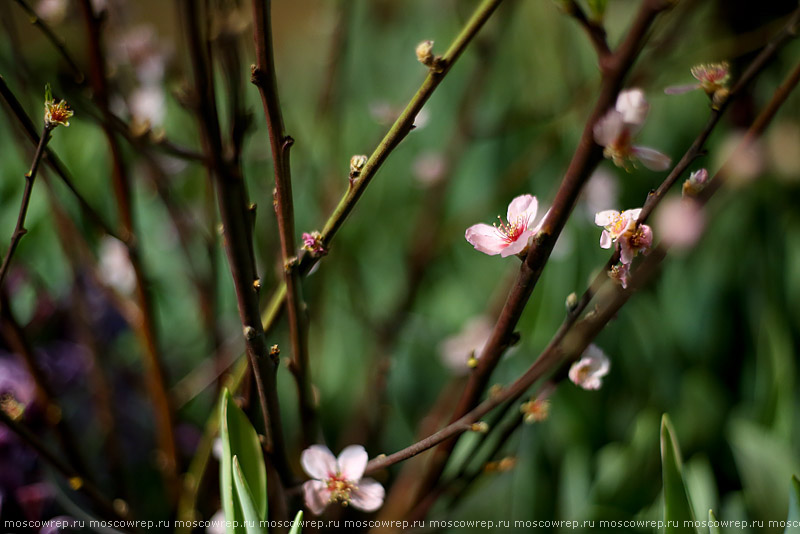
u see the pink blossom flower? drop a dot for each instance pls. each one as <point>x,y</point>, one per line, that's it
<point>680,222</point>
<point>621,228</point>
<point>312,242</point>
<point>589,371</point>
<point>711,77</point>
<point>339,479</point>
<point>638,240</point>
<point>511,237</point>
<point>615,131</point>
<point>621,274</point>
<point>457,351</point>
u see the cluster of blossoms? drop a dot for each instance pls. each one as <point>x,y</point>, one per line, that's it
<point>615,131</point>
<point>621,227</point>
<point>509,237</point>
<point>339,479</point>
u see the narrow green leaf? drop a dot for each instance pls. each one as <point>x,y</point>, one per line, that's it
<point>713,524</point>
<point>239,439</point>
<point>252,521</point>
<point>296,524</point>
<point>793,521</point>
<point>677,508</point>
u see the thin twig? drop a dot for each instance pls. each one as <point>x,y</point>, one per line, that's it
<point>15,337</point>
<point>155,373</point>
<point>30,177</point>
<point>392,138</point>
<point>16,109</point>
<point>236,219</point>
<point>398,131</point>
<point>564,348</point>
<point>788,32</point>
<point>74,478</point>
<point>593,29</point>
<point>586,157</point>
<point>264,77</point>
<point>53,38</point>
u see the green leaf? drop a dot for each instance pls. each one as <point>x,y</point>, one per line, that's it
<point>239,439</point>
<point>48,93</point>
<point>793,521</point>
<point>252,520</point>
<point>677,508</point>
<point>296,524</point>
<point>713,525</point>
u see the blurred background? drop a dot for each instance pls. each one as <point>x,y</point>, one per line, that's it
<point>712,342</point>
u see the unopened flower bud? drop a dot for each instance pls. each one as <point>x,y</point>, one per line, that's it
<point>357,163</point>
<point>571,302</point>
<point>535,410</point>
<point>250,332</point>
<point>425,53</point>
<point>481,427</point>
<point>507,463</point>
<point>696,182</point>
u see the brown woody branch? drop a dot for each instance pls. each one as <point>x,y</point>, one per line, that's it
<point>263,76</point>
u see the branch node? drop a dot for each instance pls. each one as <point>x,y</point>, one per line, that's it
<point>256,76</point>
<point>250,333</point>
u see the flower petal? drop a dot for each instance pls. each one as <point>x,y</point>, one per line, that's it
<point>604,218</point>
<point>522,206</point>
<point>518,245</point>
<point>681,89</point>
<point>632,215</point>
<point>590,369</point>
<point>318,462</point>
<point>485,239</point>
<point>352,461</point>
<point>633,106</point>
<point>608,128</point>
<point>652,159</point>
<point>538,226</point>
<point>316,496</point>
<point>369,495</point>
<point>626,252</point>
<point>605,239</point>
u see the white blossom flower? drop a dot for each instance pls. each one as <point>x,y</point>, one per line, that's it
<point>615,131</point>
<point>339,479</point>
<point>588,372</point>
<point>621,228</point>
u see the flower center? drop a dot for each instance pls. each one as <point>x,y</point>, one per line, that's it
<point>583,373</point>
<point>638,239</point>
<point>340,488</point>
<point>510,232</point>
<point>618,226</point>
